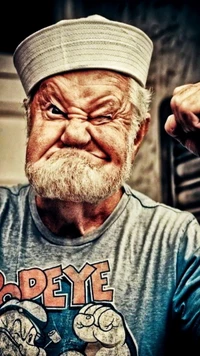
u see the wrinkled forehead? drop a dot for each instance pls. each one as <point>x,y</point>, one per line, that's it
<point>85,83</point>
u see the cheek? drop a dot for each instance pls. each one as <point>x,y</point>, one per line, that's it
<point>34,148</point>
<point>41,139</point>
<point>114,141</point>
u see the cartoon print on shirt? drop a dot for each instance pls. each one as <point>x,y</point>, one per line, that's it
<point>103,329</point>
<point>66,312</point>
<point>19,328</point>
<point>99,326</point>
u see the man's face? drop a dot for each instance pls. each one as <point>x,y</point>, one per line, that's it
<point>81,140</point>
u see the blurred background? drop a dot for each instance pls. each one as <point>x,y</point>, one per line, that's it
<point>163,169</point>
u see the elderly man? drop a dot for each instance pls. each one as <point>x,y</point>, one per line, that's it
<point>116,273</point>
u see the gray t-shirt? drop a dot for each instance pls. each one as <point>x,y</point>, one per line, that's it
<point>128,288</point>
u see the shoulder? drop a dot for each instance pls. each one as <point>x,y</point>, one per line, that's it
<point>159,212</point>
<point>15,190</point>
<point>12,195</point>
<point>171,227</point>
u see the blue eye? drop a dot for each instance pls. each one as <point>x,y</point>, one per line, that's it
<point>54,113</point>
<point>108,117</point>
<point>54,110</point>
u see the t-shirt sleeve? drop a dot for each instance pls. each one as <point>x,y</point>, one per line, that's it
<point>186,300</point>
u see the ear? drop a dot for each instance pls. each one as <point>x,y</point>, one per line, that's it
<point>143,129</point>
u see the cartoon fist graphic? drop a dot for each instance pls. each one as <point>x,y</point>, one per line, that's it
<point>103,329</point>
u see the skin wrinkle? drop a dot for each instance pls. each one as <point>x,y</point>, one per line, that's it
<point>112,123</point>
<point>78,158</point>
<point>138,96</point>
<point>108,98</point>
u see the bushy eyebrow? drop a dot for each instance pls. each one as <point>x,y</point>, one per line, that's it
<point>95,101</point>
<point>48,91</point>
<point>109,102</point>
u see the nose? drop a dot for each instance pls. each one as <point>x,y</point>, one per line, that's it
<point>76,133</point>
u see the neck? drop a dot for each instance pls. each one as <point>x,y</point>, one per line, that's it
<point>70,219</point>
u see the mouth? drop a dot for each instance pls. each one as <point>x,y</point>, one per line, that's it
<point>75,152</point>
<point>99,156</point>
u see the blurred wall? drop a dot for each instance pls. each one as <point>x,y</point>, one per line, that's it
<point>12,124</point>
<point>174,29</point>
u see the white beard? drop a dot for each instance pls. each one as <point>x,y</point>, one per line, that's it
<point>69,175</point>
